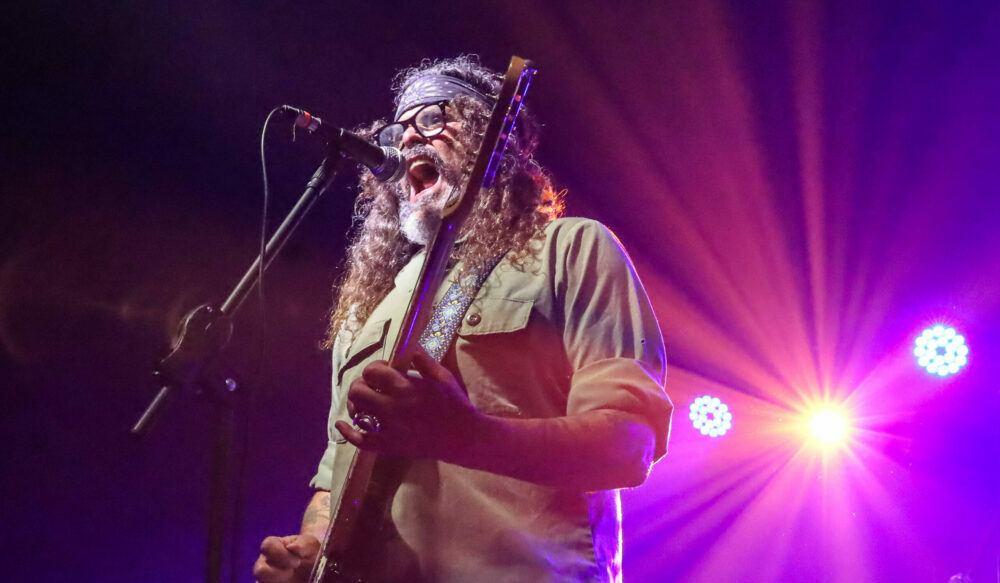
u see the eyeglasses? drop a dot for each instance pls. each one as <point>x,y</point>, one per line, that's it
<point>429,121</point>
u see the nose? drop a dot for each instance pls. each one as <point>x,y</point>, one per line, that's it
<point>411,137</point>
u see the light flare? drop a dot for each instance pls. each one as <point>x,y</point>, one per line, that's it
<point>829,426</point>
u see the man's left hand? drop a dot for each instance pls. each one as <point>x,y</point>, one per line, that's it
<point>425,416</point>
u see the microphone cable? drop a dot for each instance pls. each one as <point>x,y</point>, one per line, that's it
<point>240,459</point>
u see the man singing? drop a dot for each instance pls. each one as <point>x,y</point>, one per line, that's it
<point>547,400</point>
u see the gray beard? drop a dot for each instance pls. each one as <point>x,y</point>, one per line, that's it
<point>419,221</point>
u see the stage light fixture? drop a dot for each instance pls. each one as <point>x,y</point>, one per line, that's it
<point>941,350</point>
<point>711,416</point>
<point>828,426</point>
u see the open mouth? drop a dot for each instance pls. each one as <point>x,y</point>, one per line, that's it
<point>423,177</point>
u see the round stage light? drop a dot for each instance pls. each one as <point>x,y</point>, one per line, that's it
<point>941,350</point>
<point>828,426</point>
<point>711,416</point>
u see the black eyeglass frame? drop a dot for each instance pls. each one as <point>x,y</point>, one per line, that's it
<point>412,121</point>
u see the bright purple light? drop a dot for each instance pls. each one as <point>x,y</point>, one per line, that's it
<point>941,350</point>
<point>711,416</point>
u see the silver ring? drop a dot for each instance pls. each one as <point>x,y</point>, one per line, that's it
<point>367,423</point>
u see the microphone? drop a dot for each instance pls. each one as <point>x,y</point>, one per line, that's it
<point>387,164</point>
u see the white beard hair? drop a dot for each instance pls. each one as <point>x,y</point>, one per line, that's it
<point>418,224</point>
<point>418,221</point>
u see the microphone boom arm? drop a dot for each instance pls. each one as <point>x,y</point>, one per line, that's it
<point>206,330</point>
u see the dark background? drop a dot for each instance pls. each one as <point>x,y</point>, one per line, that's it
<point>803,187</point>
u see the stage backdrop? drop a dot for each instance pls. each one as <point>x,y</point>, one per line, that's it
<point>803,186</point>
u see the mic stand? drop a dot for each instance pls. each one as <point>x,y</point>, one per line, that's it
<point>202,334</point>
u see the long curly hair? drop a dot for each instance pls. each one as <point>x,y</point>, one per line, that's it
<point>506,218</point>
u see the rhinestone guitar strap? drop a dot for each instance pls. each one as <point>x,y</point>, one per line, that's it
<point>448,314</point>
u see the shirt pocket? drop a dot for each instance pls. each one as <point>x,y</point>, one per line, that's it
<point>369,346</point>
<point>492,340</point>
<point>495,316</point>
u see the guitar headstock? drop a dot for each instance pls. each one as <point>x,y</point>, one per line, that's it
<point>502,122</point>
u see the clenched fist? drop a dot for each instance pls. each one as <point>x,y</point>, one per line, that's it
<point>286,559</point>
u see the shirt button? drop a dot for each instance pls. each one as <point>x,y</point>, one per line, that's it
<point>473,319</point>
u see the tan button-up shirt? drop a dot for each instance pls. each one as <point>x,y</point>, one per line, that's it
<point>572,332</point>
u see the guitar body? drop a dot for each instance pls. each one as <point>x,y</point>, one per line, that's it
<point>362,545</point>
<point>375,553</point>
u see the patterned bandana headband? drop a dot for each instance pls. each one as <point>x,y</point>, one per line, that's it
<point>434,88</point>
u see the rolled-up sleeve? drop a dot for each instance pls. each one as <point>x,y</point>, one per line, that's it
<point>610,334</point>
<point>323,478</point>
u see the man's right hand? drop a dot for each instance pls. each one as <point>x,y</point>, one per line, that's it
<point>286,559</point>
